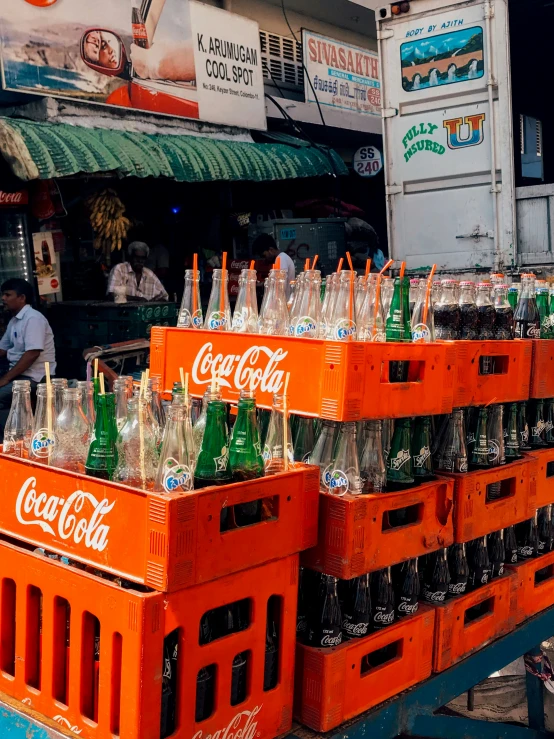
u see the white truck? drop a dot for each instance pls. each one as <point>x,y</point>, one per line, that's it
<point>451,102</point>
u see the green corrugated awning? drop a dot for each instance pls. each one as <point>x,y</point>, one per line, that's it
<point>46,150</point>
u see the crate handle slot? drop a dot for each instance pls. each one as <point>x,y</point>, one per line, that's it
<point>550,469</point>
<point>400,517</point>
<point>501,489</point>
<point>7,626</point>
<point>382,657</point>
<point>479,611</point>
<point>414,371</point>
<point>493,365</point>
<point>249,513</point>
<point>543,575</point>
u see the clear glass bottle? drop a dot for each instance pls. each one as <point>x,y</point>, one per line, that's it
<point>245,317</point>
<point>86,389</point>
<point>137,457</point>
<point>180,399</point>
<point>156,402</point>
<point>190,313</point>
<point>341,325</point>
<point>324,450</point>
<point>373,471</point>
<point>415,284</point>
<point>387,291</point>
<point>423,318</point>
<point>362,284</point>
<point>59,384</point>
<point>18,430</point>
<point>120,390</point>
<point>371,323</point>
<point>344,474</point>
<point>218,315</point>
<point>328,305</point>
<point>307,311</point>
<point>175,473</point>
<point>304,440</point>
<point>44,435</point>
<point>274,315</point>
<point>72,434</point>
<point>273,447</point>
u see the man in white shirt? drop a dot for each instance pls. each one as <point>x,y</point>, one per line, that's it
<point>265,246</point>
<point>138,282</point>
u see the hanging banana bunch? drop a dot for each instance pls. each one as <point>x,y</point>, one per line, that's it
<point>107,217</point>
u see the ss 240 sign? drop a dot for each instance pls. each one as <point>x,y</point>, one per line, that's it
<point>368,161</point>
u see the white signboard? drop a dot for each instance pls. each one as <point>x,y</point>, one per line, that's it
<point>367,161</point>
<point>228,63</point>
<point>341,75</point>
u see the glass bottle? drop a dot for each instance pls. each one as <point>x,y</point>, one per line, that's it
<point>373,471</point>
<point>152,421</point>
<point>448,315</point>
<point>510,545</point>
<point>436,579</point>
<point>469,326</point>
<point>371,324</point>
<point>344,474</point>
<point>72,434</point>
<point>479,563</point>
<point>245,457</point>
<point>175,472</point>
<point>421,450</point>
<point>362,284</point>
<point>86,389</point>
<point>458,568</point>
<point>549,421</point>
<point>342,325</point>
<point>545,532</point>
<point>495,546</point>
<point>44,435</point>
<point>274,315</point>
<point>273,447</point>
<point>356,611</point>
<point>487,314</point>
<point>121,397</point>
<point>18,430</point>
<point>212,464</point>
<point>181,400</point>
<point>452,455</point>
<point>407,591</point>
<point>423,320</point>
<point>307,314</point>
<point>481,449</point>
<point>324,450</point>
<point>395,324</point>
<point>387,292</point>
<point>190,313</point>
<point>504,321</point>
<point>245,316</point>
<point>325,629</point>
<point>527,539</point>
<point>200,426</point>
<point>384,612</point>
<point>526,315</point>
<point>513,296</point>
<point>537,425</point>
<point>400,464</point>
<point>387,434</point>
<point>59,384</point>
<point>327,308</point>
<point>511,435</point>
<point>218,315</point>
<point>415,283</point>
<point>543,306</point>
<point>551,311</point>
<point>304,441</point>
<point>156,402</point>
<point>102,453</point>
<point>497,455</point>
<point>137,458</point>
<point>523,427</point>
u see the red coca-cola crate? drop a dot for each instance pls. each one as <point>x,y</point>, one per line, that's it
<point>165,541</point>
<point>356,535</point>
<point>542,369</point>
<point>53,618</point>
<point>542,476</point>
<point>533,586</point>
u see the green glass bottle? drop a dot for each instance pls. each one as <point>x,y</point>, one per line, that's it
<point>102,453</point>
<point>513,296</point>
<point>523,427</point>
<point>399,463</point>
<point>537,426</point>
<point>551,312</point>
<point>212,465</point>
<point>245,456</point>
<point>549,421</point>
<point>95,390</point>
<point>303,436</point>
<point>421,450</point>
<point>544,312</point>
<point>480,454</point>
<point>511,437</point>
<point>397,326</point>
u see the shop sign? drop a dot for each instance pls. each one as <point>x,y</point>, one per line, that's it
<point>174,57</point>
<point>46,261</point>
<point>367,161</point>
<point>21,197</point>
<point>340,75</point>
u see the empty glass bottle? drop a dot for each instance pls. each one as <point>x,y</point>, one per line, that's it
<point>327,307</point>
<point>537,424</point>
<point>523,427</point>
<point>72,434</point>
<point>274,315</point>
<point>342,325</point>
<point>273,448</point>
<point>373,471</point>
<point>387,292</point>
<point>59,384</point>
<point>137,458</point>
<point>175,471</point>
<point>306,316</point>
<point>102,453</point>
<point>190,313</point>
<point>245,316</point>
<point>371,323</point>
<point>324,450</point>
<point>343,475</point>
<point>120,390</point>
<point>452,454</point>
<point>423,316</point>
<point>304,440</point>
<point>156,403</point>
<point>400,463</point>
<point>86,389</point>
<point>44,435</point>
<point>218,315</point>
<point>18,430</point>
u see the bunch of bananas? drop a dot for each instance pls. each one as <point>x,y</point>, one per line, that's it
<point>107,217</point>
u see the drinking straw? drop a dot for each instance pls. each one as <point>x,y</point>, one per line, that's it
<point>402,269</point>
<point>428,293</point>
<point>252,263</point>
<point>278,262</point>
<point>285,425</point>
<point>95,367</point>
<point>182,374</point>
<point>377,304</point>
<point>341,260</point>
<point>351,302</point>
<point>367,269</point>
<point>49,404</point>
<point>307,264</point>
<point>194,277</point>
<point>387,265</point>
<point>141,407</point>
<point>102,386</point>
<point>187,388</point>
<point>315,261</point>
<point>222,295</point>
<point>490,402</point>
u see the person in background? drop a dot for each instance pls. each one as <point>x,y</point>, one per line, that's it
<point>265,246</point>
<point>140,283</point>
<point>28,343</point>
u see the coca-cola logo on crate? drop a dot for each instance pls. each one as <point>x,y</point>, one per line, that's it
<point>242,726</point>
<point>79,517</point>
<point>258,363</point>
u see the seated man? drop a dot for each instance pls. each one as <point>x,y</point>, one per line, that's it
<point>28,342</point>
<point>139,282</point>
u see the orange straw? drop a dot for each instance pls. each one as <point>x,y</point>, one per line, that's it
<point>377,305</point>
<point>315,261</point>
<point>402,269</point>
<point>252,263</point>
<point>194,276</point>
<point>349,260</point>
<point>307,264</point>
<point>367,269</point>
<point>387,265</point>
<point>341,260</point>
<point>428,293</point>
<point>223,275</point>
<point>278,262</point>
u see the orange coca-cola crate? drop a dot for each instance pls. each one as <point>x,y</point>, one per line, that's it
<point>51,615</point>
<point>542,476</point>
<point>336,684</point>
<point>511,369</point>
<point>356,536</point>
<point>534,586</point>
<point>475,516</point>
<point>341,381</point>
<point>164,541</point>
<point>470,621</point>
<point>542,369</point>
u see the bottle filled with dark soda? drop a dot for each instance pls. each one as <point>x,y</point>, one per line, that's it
<point>495,546</point>
<point>479,563</point>
<point>469,314</point>
<point>497,455</point>
<point>325,627</point>
<point>527,539</point>
<point>511,435</point>
<point>448,315</point>
<point>527,322</point>
<point>436,579</point>
<point>485,309</point>
<point>504,321</point>
<point>510,546</point>
<point>407,589</point>
<point>356,609</point>
<point>383,599</point>
<point>545,530</point>
<point>459,570</point>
